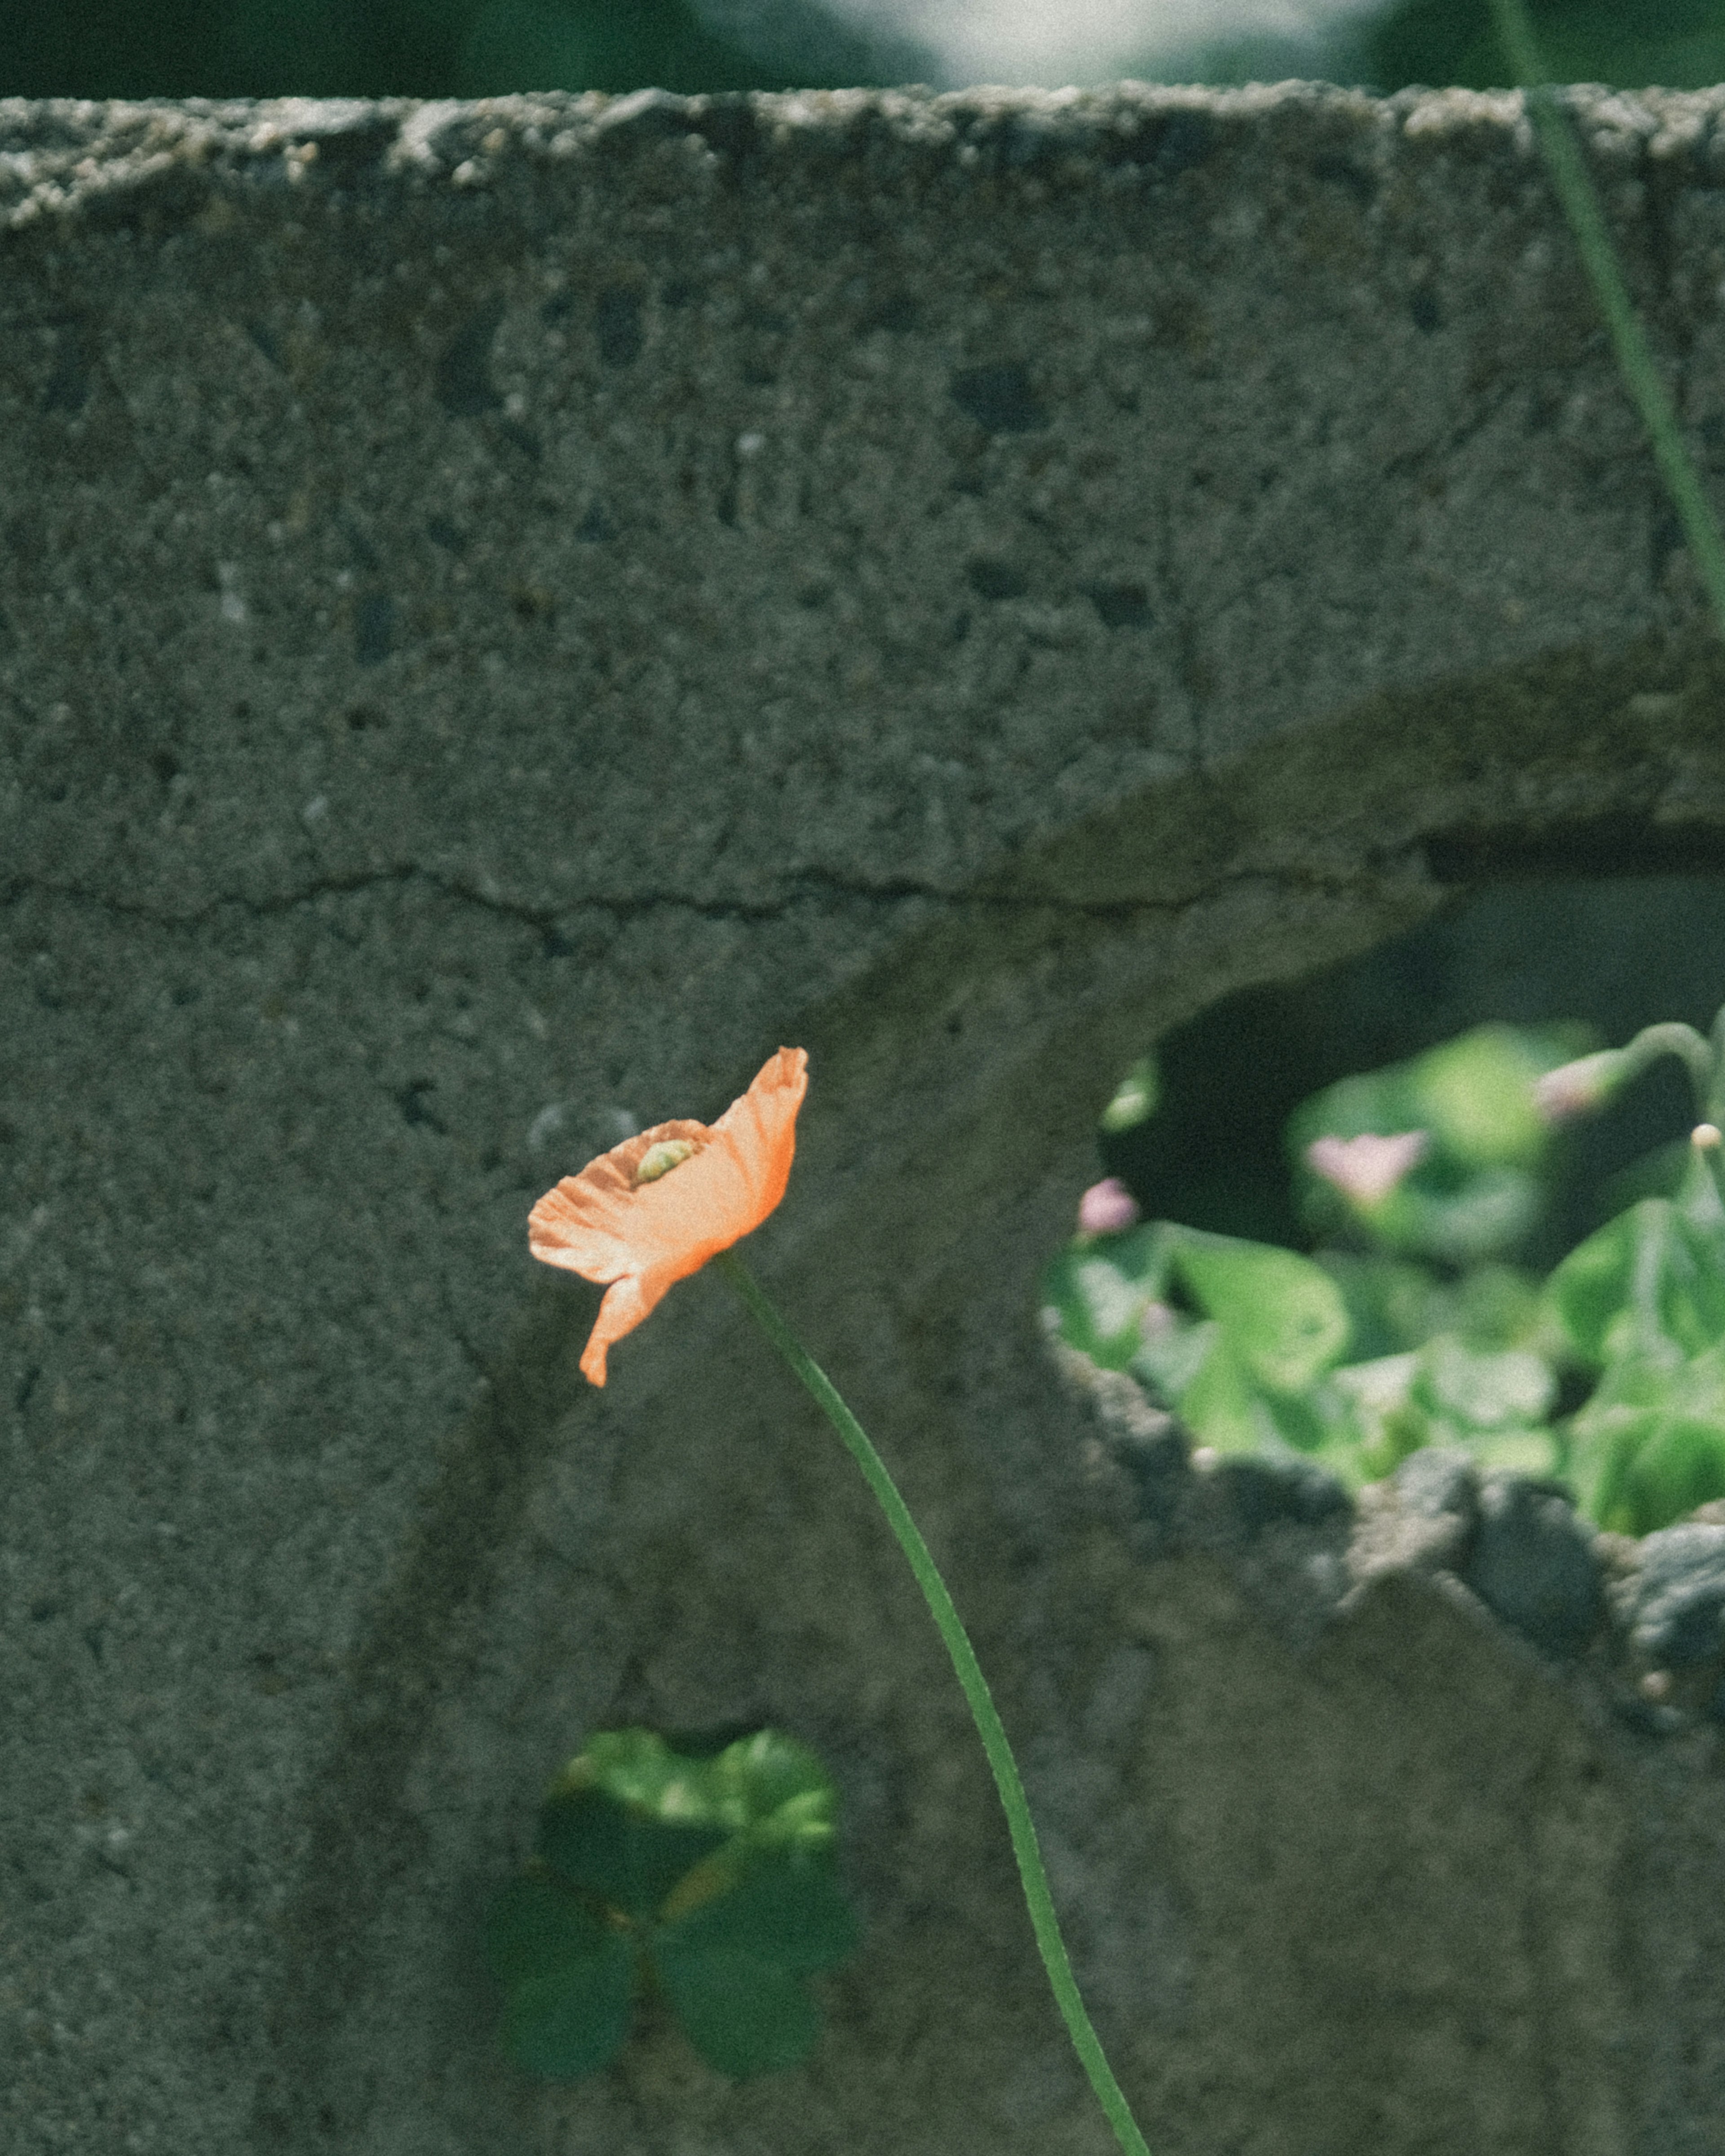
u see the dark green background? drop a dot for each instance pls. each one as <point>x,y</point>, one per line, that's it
<point>450,48</point>
<point>1679,44</point>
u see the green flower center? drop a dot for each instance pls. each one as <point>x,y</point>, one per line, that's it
<point>661,1158</point>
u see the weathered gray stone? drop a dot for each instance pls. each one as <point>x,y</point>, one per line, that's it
<point>1532,1563</point>
<point>509,612</point>
<point>1423,1517</point>
<point>1677,1607</point>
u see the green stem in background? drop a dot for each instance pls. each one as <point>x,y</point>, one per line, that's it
<point>1705,1136</point>
<point>1672,1037</point>
<point>1581,207</point>
<point>1705,1141</point>
<point>1714,1108</point>
<point>1084,2037</point>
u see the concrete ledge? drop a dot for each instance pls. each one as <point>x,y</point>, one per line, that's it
<point>509,613</point>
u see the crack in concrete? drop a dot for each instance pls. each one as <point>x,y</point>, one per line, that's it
<point>545,919</point>
<point>808,883</point>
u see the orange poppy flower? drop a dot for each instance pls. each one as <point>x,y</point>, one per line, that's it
<point>654,1208</point>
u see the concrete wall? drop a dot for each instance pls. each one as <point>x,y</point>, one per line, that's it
<point>508,614</point>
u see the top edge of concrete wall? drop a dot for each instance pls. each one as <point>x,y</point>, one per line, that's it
<point>64,155</point>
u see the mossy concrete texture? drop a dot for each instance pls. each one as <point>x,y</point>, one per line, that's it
<point>508,614</point>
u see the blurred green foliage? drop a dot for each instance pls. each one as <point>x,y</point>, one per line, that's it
<point>475,47</point>
<point>1414,1319</point>
<point>435,48</point>
<point>1476,1189</point>
<point>706,1872</point>
<point>1679,44</point>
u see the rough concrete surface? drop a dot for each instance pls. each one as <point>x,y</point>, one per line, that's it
<point>508,614</point>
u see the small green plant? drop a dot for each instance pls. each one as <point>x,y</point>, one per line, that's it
<point>1409,1323</point>
<point>708,1873</point>
<point>638,1236</point>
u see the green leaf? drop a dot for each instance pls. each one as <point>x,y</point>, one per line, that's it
<point>1172,1353</point>
<point>537,1926</point>
<point>630,1816</point>
<point>772,1789</point>
<point>626,1857</point>
<point>1100,1290</point>
<point>1240,1378</point>
<point>1216,1403</point>
<point>1510,1390</point>
<point>1283,1317</point>
<point>640,1767</point>
<point>1387,1422</point>
<point>1649,1444</point>
<point>1394,1304</point>
<point>730,1843</point>
<point>1495,1306</point>
<point>1460,1217</point>
<point>787,1912</point>
<point>561,2028</point>
<point>1311,1421</point>
<point>1475,1093</point>
<point>1531,1452</point>
<point>744,2016</point>
<point>1391,1304</point>
<point>743,1786</point>
<point>1679,1463</point>
<point>1195,1371</point>
<point>1135,1098</point>
<point>1439,1209</point>
<point>1655,1271</point>
<point>1448,1393</point>
<point>1590,1287</point>
<point>569,1975</point>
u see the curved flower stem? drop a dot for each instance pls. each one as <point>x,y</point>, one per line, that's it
<point>1645,384</point>
<point>1714,1107</point>
<point>1085,2040</point>
<point>1671,1037</point>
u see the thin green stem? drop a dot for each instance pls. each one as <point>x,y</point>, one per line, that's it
<point>1713,1163</point>
<point>1085,2040</point>
<point>1671,1037</point>
<point>1714,1110</point>
<point>1581,207</point>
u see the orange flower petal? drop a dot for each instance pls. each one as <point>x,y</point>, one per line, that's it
<point>639,1240</point>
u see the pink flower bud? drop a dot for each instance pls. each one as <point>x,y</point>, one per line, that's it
<point>1367,1168</point>
<point>1105,1208</point>
<point>1577,1088</point>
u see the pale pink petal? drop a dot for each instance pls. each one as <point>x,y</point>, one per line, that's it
<point>1106,1207</point>
<point>1368,1168</point>
<point>1577,1088</point>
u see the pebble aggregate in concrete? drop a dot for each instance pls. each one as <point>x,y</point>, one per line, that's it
<point>1677,1610</point>
<point>1517,1543</point>
<point>1532,1562</point>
